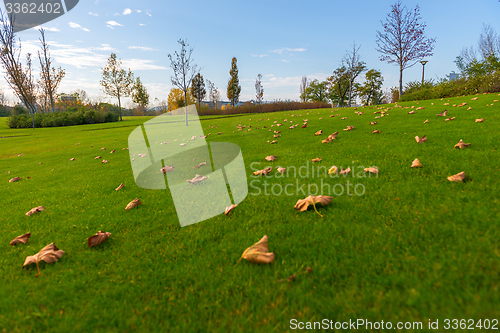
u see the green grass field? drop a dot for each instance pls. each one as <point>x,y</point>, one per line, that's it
<point>413,247</point>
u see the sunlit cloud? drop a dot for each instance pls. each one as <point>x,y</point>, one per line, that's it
<point>258,55</point>
<point>113,24</point>
<point>143,48</point>
<point>77,26</point>
<point>280,51</point>
<point>93,14</point>
<point>127,11</point>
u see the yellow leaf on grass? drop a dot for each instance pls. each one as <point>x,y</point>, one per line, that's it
<point>333,170</point>
<point>258,253</point>
<point>317,159</point>
<point>461,144</point>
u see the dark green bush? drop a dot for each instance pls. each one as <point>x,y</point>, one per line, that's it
<point>62,119</point>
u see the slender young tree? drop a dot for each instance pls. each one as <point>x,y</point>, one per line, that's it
<point>303,86</point>
<point>371,91</point>
<point>233,86</point>
<point>259,89</point>
<point>116,81</point>
<point>18,77</point>
<point>50,78</point>
<point>354,67</point>
<point>213,94</point>
<point>198,89</point>
<point>140,95</point>
<point>184,70</point>
<point>403,39</point>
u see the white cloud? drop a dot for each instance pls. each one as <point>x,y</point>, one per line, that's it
<point>259,55</point>
<point>77,26</point>
<point>143,48</point>
<point>52,29</point>
<point>138,10</point>
<point>93,14</point>
<point>127,11</point>
<point>290,81</point>
<point>284,60</point>
<point>103,47</point>
<point>141,64</point>
<point>141,24</point>
<point>113,24</point>
<point>147,12</point>
<point>280,51</point>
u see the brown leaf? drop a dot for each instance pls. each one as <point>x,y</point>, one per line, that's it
<point>303,204</point>
<point>345,171</point>
<point>448,119</point>
<point>258,253</point>
<point>271,158</point>
<point>197,179</point>
<point>281,170</point>
<point>411,112</point>
<point>263,172</point>
<point>104,161</point>
<point>72,159</point>
<point>103,148</point>
<point>15,179</point>
<point>229,208</point>
<point>349,128</point>
<point>274,141</point>
<point>371,170</point>
<point>420,139</point>
<point>167,168</point>
<point>97,157</point>
<point>373,123</point>
<point>119,187</point>
<point>304,125</point>
<point>376,132</point>
<point>134,203</point>
<point>474,98</point>
<point>416,163</point>
<point>35,210</point>
<point>21,239</point>
<point>479,120</point>
<point>442,114</point>
<point>200,165</point>
<point>98,238</point>
<point>461,144</point>
<point>276,136</point>
<point>426,121</point>
<point>113,151</point>
<point>317,159</point>
<point>458,177</point>
<point>333,169</point>
<point>333,136</point>
<point>49,254</point>
<point>319,132</point>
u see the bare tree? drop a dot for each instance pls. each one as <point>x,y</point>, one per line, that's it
<point>303,86</point>
<point>116,81</point>
<point>354,67</point>
<point>403,40</point>
<point>50,78</point>
<point>18,77</point>
<point>213,94</point>
<point>259,89</point>
<point>489,42</point>
<point>184,70</point>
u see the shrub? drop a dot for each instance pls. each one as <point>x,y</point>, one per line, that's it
<point>62,119</point>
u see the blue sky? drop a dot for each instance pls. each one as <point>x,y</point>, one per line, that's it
<point>282,40</point>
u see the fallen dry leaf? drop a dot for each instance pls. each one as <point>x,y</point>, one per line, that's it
<point>281,170</point>
<point>263,172</point>
<point>229,208</point>
<point>98,238</point>
<point>442,114</point>
<point>258,253</point>
<point>479,120</point>
<point>372,170</point>
<point>333,169</point>
<point>274,141</point>
<point>474,98</point>
<point>319,132</point>
<point>134,203</point>
<point>276,136</point>
<point>113,151</point>
<point>349,128</point>
<point>104,161</point>
<point>373,123</point>
<point>345,171</point>
<point>426,121</point>
<point>448,119</point>
<point>200,165</point>
<point>317,159</point>
<point>72,159</point>
<point>103,148</point>
<point>49,254</point>
<point>270,158</point>
<point>196,179</point>
<point>376,132</point>
<point>420,139</point>
<point>15,179</point>
<point>411,112</point>
<point>458,177</point>
<point>167,168</point>
<point>303,204</point>
<point>119,187</point>
<point>21,239</point>
<point>35,210</point>
<point>97,157</point>
<point>461,144</point>
<point>416,163</point>
<point>304,125</point>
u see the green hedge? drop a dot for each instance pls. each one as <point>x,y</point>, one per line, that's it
<point>63,119</point>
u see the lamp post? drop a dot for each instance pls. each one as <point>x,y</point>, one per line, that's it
<point>423,62</point>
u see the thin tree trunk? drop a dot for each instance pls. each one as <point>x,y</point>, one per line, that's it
<point>186,106</point>
<point>120,107</point>
<point>400,81</point>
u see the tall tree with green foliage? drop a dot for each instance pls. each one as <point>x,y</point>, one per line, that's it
<point>184,70</point>
<point>233,86</point>
<point>198,89</point>
<point>316,91</point>
<point>338,86</point>
<point>140,95</point>
<point>259,89</point>
<point>371,90</point>
<point>403,40</point>
<point>116,81</point>
<point>354,68</point>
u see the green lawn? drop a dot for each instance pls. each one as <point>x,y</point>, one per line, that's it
<point>413,247</point>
